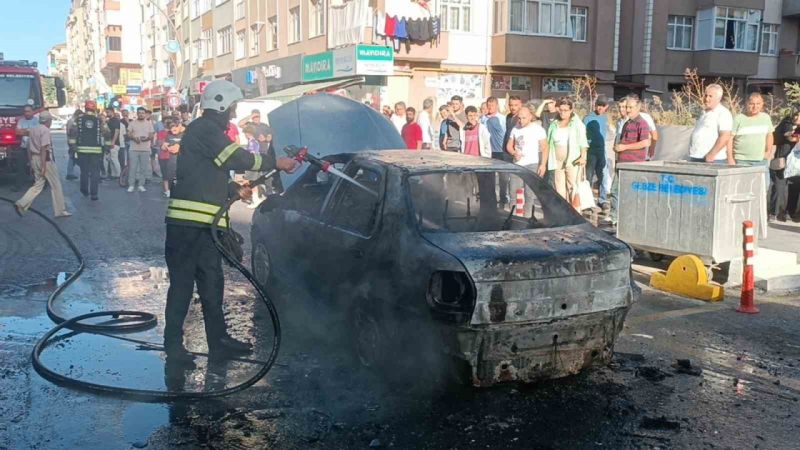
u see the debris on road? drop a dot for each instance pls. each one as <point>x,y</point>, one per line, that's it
<point>651,373</point>
<point>659,423</point>
<point>684,366</point>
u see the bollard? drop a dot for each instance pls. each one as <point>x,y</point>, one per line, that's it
<point>519,210</point>
<point>747,301</point>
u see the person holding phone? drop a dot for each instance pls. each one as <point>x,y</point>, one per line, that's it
<point>140,132</point>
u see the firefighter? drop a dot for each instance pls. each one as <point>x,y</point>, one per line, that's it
<point>89,148</point>
<point>203,186</point>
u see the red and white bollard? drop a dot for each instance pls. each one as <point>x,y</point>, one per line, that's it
<point>747,303</point>
<point>519,209</point>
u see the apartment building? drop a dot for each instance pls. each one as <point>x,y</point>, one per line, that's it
<point>57,61</point>
<point>104,47</point>
<point>751,42</point>
<point>160,51</point>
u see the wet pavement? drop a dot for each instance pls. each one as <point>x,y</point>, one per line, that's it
<point>740,387</point>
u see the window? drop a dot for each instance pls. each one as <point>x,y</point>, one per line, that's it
<point>316,18</point>
<point>675,87</point>
<point>200,7</point>
<point>240,9</point>
<point>224,41</point>
<point>520,83</point>
<point>353,208</point>
<point>556,85</point>
<point>205,44</point>
<point>499,25</point>
<point>114,43</point>
<point>547,17</point>
<point>679,32</point>
<point>272,33</point>
<point>736,29</point>
<point>294,25</point>
<point>467,203</point>
<point>255,40</point>
<point>455,15</point>
<point>769,39</point>
<point>240,44</point>
<point>578,18</point>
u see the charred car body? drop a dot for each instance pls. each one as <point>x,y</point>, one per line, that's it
<point>430,253</point>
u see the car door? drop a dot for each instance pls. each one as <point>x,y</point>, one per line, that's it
<point>295,244</point>
<point>352,220</point>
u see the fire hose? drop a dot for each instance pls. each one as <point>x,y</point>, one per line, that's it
<point>128,321</point>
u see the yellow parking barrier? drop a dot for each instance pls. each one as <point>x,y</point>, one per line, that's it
<point>687,276</point>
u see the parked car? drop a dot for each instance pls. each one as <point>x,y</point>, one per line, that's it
<point>430,253</point>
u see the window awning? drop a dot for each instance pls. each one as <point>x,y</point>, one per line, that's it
<point>289,94</point>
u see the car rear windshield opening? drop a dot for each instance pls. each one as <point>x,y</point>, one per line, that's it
<point>464,202</point>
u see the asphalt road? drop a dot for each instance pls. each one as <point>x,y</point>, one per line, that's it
<point>747,395</point>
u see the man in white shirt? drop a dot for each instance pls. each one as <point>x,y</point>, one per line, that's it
<point>399,117</point>
<point>527,145</point>
<point>424,121</point>
<point>712,130</point>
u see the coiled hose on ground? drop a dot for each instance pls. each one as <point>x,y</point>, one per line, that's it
<point>127,321</point>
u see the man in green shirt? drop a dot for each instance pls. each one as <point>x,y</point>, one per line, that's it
<point>752,143</point>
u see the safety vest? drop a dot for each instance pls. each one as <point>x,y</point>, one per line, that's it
<point>89,137</point>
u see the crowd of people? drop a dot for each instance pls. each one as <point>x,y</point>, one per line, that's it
<point>552,140</point>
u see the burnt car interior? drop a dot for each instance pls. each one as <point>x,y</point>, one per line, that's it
<point>466,201</point>
<point>353,208</point>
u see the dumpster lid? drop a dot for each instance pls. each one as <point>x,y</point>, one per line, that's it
<point>690,168</point>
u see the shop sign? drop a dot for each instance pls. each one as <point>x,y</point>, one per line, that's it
<point>374,60</point>
<point>169,82</point>
<point>344,62</point>
<point>119,89</point>
<point>134,90</point>
<point>318,66</point>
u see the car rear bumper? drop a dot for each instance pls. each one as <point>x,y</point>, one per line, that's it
<point>538,350</point>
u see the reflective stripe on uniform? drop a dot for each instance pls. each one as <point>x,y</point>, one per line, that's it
<point>257,163</point>
<point>83,149</point>
<point>194,211</point>
<point>206,208</point>
<point>72,141</point>
<point>195,217</point>
<point>225,154</point>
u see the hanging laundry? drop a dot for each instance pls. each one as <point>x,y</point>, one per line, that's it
<point>425,30</point>
<point>380,23</point>
<point>436,28</point>
<point>391,23</point>
<point>400,31</point>
<point>412,28</point>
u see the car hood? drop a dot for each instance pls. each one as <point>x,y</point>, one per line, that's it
<point>534,254</point>
<point>330,125</point>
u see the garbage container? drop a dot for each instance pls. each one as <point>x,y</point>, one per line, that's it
<point>675,208</point>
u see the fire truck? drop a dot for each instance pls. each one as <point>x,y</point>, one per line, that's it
<point>21,84</point>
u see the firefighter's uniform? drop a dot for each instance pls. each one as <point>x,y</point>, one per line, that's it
<point>203,186</point>
<point>89,150</point>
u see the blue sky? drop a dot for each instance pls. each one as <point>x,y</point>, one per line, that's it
<point>29,28</point>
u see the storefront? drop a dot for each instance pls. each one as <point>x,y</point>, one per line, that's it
<point>360,71</point>
<point>263,79</point>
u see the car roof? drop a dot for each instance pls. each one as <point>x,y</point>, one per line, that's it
<point>432,160</point>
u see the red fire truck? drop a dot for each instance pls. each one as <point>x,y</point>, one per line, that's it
<point>21,84</point>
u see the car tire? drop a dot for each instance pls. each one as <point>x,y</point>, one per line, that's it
<point>369,338</point>
<point>261,265</point>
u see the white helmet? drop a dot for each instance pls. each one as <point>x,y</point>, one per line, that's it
<point>219,95</point>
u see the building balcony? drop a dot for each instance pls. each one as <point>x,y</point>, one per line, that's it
<point>547,52</point>
<point>726,63</point>
<point>791,7</point>
<point>789,66</point>
<point>428,51</point>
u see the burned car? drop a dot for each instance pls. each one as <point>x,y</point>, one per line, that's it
<point>418,246</point>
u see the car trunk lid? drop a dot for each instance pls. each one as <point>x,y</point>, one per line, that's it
<point>542,274</point>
